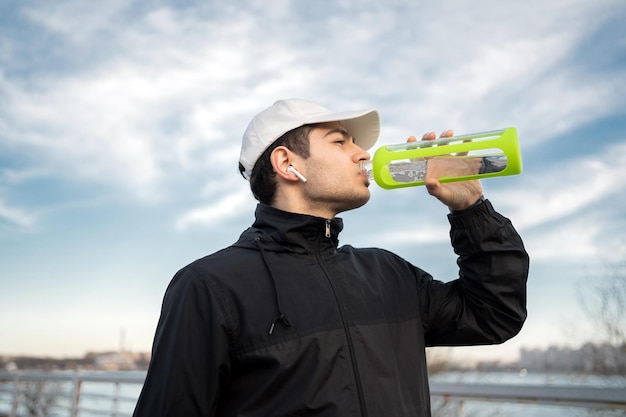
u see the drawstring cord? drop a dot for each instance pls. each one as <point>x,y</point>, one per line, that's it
<point>281,316</point>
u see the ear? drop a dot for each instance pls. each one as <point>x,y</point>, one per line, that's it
<point>281,158</point>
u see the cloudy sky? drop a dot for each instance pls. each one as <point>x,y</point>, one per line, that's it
<point>120,125</point>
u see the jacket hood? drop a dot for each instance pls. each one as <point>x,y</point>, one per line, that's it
<point>281,231</point>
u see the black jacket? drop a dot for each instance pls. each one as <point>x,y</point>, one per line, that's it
<point>284,323</point>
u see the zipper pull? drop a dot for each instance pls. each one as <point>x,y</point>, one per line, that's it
<point>328,228</point>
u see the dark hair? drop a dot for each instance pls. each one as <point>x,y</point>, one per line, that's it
<point>263,176</point>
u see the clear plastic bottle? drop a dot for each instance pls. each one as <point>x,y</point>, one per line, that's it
<point>459,158</point>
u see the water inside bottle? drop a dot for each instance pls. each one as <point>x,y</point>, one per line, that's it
<point>415,170</point>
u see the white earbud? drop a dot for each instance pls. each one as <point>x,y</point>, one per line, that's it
<point>291,169</point>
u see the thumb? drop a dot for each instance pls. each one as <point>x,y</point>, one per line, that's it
<point>433,186</point>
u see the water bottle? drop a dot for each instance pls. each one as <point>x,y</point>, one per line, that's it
<point>457,158</point>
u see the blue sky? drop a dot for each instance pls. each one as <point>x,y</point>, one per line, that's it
<point>120,125</point>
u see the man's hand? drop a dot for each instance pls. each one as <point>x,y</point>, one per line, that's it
<point>455,195</point>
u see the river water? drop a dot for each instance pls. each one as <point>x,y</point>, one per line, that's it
<point>495,409</point>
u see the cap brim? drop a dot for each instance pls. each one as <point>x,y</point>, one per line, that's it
<point>364,125</point>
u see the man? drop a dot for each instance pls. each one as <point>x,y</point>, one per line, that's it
<point>285,323</point>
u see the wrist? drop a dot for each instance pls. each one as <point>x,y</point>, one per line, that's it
<point>477,203</point>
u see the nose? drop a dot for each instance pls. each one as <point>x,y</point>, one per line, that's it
<point>360,154</point>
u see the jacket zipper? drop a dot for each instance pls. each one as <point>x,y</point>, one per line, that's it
<point>346,329</point>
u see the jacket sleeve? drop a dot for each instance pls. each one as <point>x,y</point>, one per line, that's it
<point>487,303</point>
<point>190,351</point>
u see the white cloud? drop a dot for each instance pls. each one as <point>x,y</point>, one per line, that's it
<point>215,212</point>
<point>75,20</point>
<point>156,107</point>
<point>492,66</point>
<point>424,233</point>
<point>173,82</point>
<point>565,189</point>
<point>573,240</point>
<point>16,216</point>
<point>571,211</point>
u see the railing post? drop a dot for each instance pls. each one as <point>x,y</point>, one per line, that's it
<point>41,392</point>
<point>16,395</point>
<point>459,408</point>
<point>116,399</point>
<point>76,396</point>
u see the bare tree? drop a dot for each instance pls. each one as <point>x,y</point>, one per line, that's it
<point>603,298</point>
<point>40,397</point>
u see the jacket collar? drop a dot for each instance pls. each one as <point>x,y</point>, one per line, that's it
<point>283,231</point>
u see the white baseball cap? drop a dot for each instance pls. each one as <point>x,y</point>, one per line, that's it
<point>285,115</point>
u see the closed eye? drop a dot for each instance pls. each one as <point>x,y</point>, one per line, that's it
<point>343,136</point>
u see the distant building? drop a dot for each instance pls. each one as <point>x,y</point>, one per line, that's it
<point>11,367</point>
<point>589,358</point>
<point>114,361</point>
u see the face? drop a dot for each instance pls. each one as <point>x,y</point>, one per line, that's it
<point>336,182</point>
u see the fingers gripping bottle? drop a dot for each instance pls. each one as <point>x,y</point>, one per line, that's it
<point>458,158</point>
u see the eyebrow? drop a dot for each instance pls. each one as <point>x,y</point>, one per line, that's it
<point>341,131</point>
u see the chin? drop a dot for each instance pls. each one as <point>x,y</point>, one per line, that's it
<point>361,202</point>
<point>355,203</point>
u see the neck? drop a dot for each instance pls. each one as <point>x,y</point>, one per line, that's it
<point>292,207</point>
<point>291,199</point>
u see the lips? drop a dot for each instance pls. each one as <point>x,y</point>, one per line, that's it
<point>363,173</point>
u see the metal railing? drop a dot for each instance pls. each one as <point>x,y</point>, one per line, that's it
<point>30,393</point>
<point>15,392</point>
<point>606,398</point>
